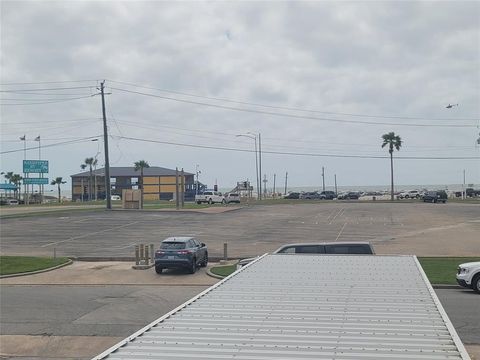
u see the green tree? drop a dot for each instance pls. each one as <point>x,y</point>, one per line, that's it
<point>90,162</point>
<point>58,181</point>
<point>140,165</point>
<point>16,180</point>
<point>394,142</point>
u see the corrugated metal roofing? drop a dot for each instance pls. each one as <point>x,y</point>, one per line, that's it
<point>306,307</point>
<point>130,171</point>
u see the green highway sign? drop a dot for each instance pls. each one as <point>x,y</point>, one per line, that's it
<point>35,166</point>
<point>35,181</point>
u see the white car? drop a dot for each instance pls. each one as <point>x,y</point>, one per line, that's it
<point>210,197</point>
<point>468,275</point>
<point>232,198</point>
<point>115,197</point>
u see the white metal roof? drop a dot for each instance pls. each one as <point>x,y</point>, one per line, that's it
<point>306,307</point>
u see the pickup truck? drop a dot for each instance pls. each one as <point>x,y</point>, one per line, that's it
<point>468,275</point>
<point>210,197</point>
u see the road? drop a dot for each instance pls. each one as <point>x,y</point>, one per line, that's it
<point>394,228</point>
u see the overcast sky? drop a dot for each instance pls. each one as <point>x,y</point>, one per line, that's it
<point>349,72</point>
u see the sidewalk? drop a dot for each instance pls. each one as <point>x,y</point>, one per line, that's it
<point>112,273</point>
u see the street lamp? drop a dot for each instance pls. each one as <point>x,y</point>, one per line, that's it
<point>196,185</point>
<point>254,137</point>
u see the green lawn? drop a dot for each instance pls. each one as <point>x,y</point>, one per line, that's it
<point>442,270</point>
<point>20,264</point>
<point>439,270</point>
<point>224,270</point>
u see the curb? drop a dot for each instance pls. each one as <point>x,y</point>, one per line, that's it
<point>446,286</point>
<point>69,262</point>
<point>209,273</point>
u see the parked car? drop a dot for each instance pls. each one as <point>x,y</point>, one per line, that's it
<point>341,196</point>
<point>310,195</point>
<point>232,198</point>
<point>357,248</point>
<point>468,275</point>
<point>181,252</point>
<point>352,195</point>
<point>328,195</point>
<point>9,202</point>
<point>435,196</point>
<point>115,197</point>
<point>412,194</point>
<point>292,195</point>
<point>210,197</point>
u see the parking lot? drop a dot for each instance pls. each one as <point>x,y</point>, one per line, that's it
<point>394,228</point>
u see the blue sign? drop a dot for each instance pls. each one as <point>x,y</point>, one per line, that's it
<point>35,181</point>
<point>35,166</point>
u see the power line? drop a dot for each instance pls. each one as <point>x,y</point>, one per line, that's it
<point>52,145</point>
<point>299,154</point>
<point>48,102</point>
<point>292,115</point>
<point>45,82</point>
<point>49,89</point>
<point>291,108</point>
<point>49,121</point>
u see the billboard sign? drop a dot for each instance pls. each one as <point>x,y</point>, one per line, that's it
<point>35,181</point>
<point>35,166</point>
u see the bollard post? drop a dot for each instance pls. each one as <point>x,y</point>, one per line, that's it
<point>54,253</point>
<point>137,255</point>
<point>147,256</point>
<point>152,253</point>
<point>225,256</point>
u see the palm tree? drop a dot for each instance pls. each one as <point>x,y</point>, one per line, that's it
<point>140,165</point>
<point>58,181</point>
<point>90,162</point>
<point>393,141</point>
<point>16,179</point>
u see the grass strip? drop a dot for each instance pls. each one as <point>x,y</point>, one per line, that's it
<point>442,270</point>
<point>224,270</point>
<point>22,264</point>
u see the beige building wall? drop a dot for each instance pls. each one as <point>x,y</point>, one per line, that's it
<point>150,180</point>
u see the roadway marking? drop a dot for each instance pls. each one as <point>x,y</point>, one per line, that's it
<point>339,213</point>
<point>341,230</point>
<point>89,234</point>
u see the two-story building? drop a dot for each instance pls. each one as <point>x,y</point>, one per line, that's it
<point>158,183</point>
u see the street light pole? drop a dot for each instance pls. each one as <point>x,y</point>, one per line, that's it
<point>196,185</point>
<point>105,143</point>
<point>254,137</point>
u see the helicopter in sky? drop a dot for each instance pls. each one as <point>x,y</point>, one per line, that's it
<point>449,106</point>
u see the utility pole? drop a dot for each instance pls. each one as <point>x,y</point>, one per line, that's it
<point>286,177</point>
<point>265,185</point>
<point>105,142</point>
<point>260,162</point>
<point>182,188</point>
<point>274,179</point>
<point>464,192</point>
<point>177,203</point>
<point>336,192</point>
<point>323,178</point>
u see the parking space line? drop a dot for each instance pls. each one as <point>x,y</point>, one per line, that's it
<point>341,230</point>
<point>89,234</point>
<point>339,213</point>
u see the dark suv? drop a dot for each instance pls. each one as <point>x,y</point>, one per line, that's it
<point>435,196</point>
<point>181,252</point>
<point>328,195</point>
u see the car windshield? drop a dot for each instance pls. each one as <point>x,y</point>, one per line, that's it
<point>172,245</point>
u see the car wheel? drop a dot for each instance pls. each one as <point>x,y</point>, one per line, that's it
<point>210,202</point>
<point>158,269</point>
<point>224,202</point>
<point>205,261</point>
<point>193,266</point>
<point>199,202</point>
<point>476,283</point>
